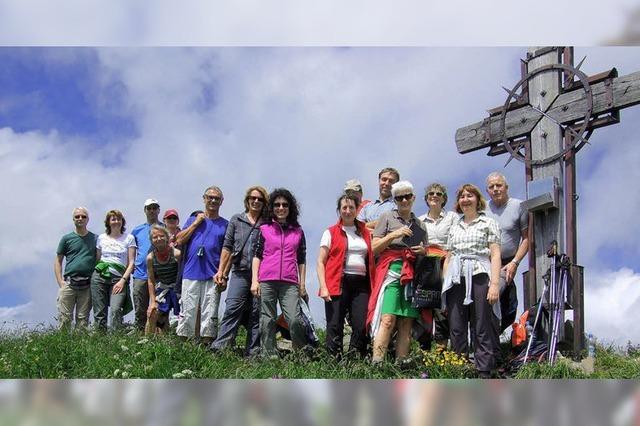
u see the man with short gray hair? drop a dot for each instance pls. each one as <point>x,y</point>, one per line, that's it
<point>202,239</point>
<point>514,223</point>
<point>78,249</point>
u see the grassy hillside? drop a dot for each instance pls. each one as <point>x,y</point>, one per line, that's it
<point>53,354</point>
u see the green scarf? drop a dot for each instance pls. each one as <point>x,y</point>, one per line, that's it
<point>103,268</point>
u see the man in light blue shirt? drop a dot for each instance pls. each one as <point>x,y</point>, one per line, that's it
<point>372,211</point>
<point>141,235</point>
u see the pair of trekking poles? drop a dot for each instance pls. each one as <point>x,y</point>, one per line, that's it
<point>556,283</point>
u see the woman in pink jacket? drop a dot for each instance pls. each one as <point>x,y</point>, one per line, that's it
<point>278,272</point>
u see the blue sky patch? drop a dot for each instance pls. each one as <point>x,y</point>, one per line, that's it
<point>46,89</point>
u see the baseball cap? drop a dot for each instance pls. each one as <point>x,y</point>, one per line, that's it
<point>353,185</point>
<point>150,201</point>
<point>171,212</point>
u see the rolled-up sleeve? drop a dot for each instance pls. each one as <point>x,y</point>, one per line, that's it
<point>382,226</point>
<point>493,232</point>
<point>258,249</point>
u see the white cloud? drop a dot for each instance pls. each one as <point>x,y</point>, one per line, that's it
<point>612,305</point>
<point>15,314</point>
<point>289,22</point>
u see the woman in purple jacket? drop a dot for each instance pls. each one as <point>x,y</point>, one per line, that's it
<point>278,272</point>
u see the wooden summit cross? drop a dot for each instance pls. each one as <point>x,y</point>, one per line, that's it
<point>547,117</point>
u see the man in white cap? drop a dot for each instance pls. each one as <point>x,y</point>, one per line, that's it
<point>353,186</point>
<point>143,243</point>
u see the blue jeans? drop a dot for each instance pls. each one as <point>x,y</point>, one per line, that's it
<point>241,309</point>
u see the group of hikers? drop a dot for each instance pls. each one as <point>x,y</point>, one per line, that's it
<point>443,277</point>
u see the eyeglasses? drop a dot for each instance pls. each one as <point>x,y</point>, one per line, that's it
<point>403,197</point>
<point>257,199</point>
<point>283,205</point>
<point>433,193</point>
<point>80,216</point>
<point>153,207</point>
<point>212,198</point>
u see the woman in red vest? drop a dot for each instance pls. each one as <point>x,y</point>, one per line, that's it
<point>345,272</point>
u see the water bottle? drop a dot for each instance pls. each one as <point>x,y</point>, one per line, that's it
<point>591,346</point>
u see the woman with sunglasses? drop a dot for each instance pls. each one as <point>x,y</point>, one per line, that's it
<point>278,270</point>
<point>116,252</point>
<point>237,254</point>
<point>397,238</point>
<point>438,222</point>
<point>471,279</point>
<point>345,270</point>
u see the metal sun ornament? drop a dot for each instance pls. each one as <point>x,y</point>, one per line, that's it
<point>577,132</point>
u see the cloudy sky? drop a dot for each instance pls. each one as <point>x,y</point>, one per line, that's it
<point>324,23</point>
<point>110,127</point>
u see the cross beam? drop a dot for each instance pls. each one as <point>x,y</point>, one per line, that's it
<point>610,94</point>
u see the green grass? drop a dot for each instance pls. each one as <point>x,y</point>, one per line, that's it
<point>54,354</point>
<point>611,365</point>
<point>562,369</point>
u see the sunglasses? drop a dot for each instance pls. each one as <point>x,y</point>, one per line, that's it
<point>283,205</point>
<point>256,199</point>
<point>403,197</point>
<point>433,193</point>
<point>171,218</point>
<point>212,198</point>
<point>80,216</point>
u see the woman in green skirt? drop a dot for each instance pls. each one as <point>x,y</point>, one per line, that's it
<point>398,238</point>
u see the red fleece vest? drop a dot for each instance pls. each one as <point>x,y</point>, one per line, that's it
<point>334,267</point>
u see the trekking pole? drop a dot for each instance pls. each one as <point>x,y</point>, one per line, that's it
<point>563,266</point>
<point>538,311</point>
<point>553,293</point>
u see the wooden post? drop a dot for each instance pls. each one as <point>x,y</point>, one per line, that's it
<point>546,140</point>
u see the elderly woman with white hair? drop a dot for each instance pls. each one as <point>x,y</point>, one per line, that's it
<point>398,238</point>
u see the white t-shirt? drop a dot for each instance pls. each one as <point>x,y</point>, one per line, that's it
<point>115,250</point>
<point>356,251</point>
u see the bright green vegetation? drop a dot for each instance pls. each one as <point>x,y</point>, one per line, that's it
<point>53,354</point>
<point>609,364</point>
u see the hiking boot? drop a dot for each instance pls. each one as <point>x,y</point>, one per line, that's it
<point>484,374</point>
